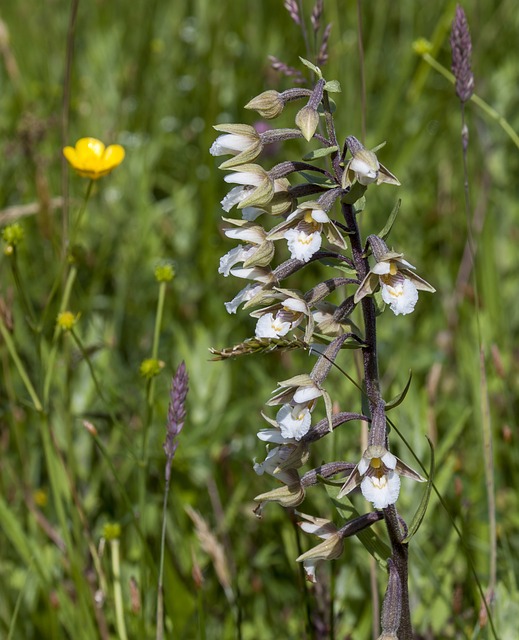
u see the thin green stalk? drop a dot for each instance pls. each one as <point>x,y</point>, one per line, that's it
<point>484,106</point>
<point>19,365</point>
<point>57,331</point>
<point>150,390</point>
<point>25,301</point>
<point>486,426</point>
<point>81,212</point>
<point>160,594</point>
<point>201,614</point>
<point>118,593</point>
<point>150,395</point>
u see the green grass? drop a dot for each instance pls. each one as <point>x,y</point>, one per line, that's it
<point>154,76</point>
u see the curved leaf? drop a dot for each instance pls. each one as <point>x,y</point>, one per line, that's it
<point>420,512</point>
<point>400,397</point>
<point>384,233</point>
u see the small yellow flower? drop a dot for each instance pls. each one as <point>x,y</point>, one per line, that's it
<point>421,46</point>
<point>150,368</point>
<point>12,234</point>
<point>112,530</point>
<point>66,320</point>
<point>91,159</point>
<point>40,497</point>
<point>164,272</point>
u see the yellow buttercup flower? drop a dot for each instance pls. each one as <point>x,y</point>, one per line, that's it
<point>91,159</point>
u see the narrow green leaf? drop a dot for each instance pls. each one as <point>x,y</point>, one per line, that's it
<point>420,513</point>
<point>384,233</point>
<point>312,67</point>
<point>318,179</point>
<point>400,397</point>
<point>320,153</point>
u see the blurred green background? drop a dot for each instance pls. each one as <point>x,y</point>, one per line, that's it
<point>155,76</point>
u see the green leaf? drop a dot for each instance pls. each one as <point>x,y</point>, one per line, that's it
<point>318,179</point>
<point>369,539</point>
<point>312,67</point>
<point>360,204</point>
<point>333,86</point>
<point>420,512</point>
<point>320,153</point>
<point>400,397</point>
<point>386,230</point>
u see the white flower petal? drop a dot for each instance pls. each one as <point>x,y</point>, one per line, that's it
<point>381,491</point>
<point>254,235</point>
<point>244,295</point>
<point>303,395</point>
<point>320,216</point>
<point>382,268</point>
<point>295,304</point>
<point>229,143</point>
<point>270,326</point>
<point>234,197</point>
<point>302,245</point>
<point>271,435</point>
<point>389,460</point>
<point>402,297</point>
<point>246,178</point>
<point>234,256</point>
<point>294,422</point>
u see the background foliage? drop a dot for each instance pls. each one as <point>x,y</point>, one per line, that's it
<point>154,76</point>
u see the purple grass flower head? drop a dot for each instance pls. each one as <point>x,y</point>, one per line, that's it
<point>176,410</point>
<point>461,46</point>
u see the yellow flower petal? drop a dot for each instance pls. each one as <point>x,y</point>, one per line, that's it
<point>91,159</point>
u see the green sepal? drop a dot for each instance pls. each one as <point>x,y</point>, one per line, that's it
<point>400,397</point>
<point>420,512</point>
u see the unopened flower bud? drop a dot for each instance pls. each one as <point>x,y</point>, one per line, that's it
<point>307,120</point>
<point>268,104</point>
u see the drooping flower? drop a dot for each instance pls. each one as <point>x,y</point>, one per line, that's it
<point>330,549</point>
<point>91,159</point>
<point>240,140</point>
<point>302,231</point>
<point>378,474</point>
<point>395,277</point>
<point>364,167</point>
<point>278,319</point>
<point>256,187</point>
<point>258,252</point>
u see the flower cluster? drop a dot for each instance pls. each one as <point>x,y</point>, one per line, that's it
<point>287,219</point>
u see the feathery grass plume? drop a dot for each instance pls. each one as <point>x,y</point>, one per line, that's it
<point>461,45</point>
